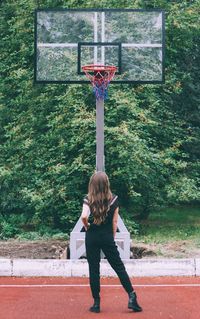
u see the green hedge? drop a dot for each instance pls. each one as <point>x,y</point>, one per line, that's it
<point>47,132</point>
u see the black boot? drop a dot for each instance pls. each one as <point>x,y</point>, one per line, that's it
<point>132,303</point>
<point>96,305</point>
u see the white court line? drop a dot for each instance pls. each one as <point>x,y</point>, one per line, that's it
<point>73,285</point>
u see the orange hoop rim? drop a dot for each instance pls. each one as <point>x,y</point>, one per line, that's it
<point>99,67</point>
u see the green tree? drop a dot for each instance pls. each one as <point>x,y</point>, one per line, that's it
<point>47,132</point>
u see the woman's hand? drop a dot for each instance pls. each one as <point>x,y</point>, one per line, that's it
<point>84,216</point>
<point>115,220</point>
<point>87,227</point>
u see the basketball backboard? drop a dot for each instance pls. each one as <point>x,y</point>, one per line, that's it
<point>67,39</point>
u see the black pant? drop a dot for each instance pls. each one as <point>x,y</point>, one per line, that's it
<point>95,241</point>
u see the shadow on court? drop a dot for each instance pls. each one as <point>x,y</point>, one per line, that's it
<point>70,298</point>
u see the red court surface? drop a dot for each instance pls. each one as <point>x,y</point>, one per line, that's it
<point>70,298</point>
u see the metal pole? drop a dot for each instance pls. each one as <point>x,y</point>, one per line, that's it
<point>100,165</point>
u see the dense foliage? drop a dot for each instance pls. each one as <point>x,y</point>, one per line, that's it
<point>47,132</point>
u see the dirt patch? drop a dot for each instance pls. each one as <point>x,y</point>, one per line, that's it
<point>141,251</point>
<point>48,249</point>
<point>59,249</point>
<point>176,249</point>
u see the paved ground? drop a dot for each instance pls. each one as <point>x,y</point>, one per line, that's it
<point>69,298</point>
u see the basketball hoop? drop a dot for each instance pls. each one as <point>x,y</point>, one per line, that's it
<point>100,77</point>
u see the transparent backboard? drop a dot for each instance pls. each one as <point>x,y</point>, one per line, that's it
<point>66,40</point>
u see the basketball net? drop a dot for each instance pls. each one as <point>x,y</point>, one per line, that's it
<point>100,77</point>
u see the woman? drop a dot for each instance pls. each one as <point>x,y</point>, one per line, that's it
<point>99,216</point>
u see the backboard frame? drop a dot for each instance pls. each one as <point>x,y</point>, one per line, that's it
<point>80,44</point>
<point>91,43</point>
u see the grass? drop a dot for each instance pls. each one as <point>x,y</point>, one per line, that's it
<point>177,215</point>
<point>164,226</point>
<point>172,224</point>
<point>34,235</point>
<point>171,233</point>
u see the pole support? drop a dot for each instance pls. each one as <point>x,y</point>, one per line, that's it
<point>100,161</point>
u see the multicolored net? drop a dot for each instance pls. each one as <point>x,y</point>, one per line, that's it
<point>100,77</point>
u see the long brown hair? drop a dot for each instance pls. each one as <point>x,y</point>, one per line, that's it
<point>99,196</point>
